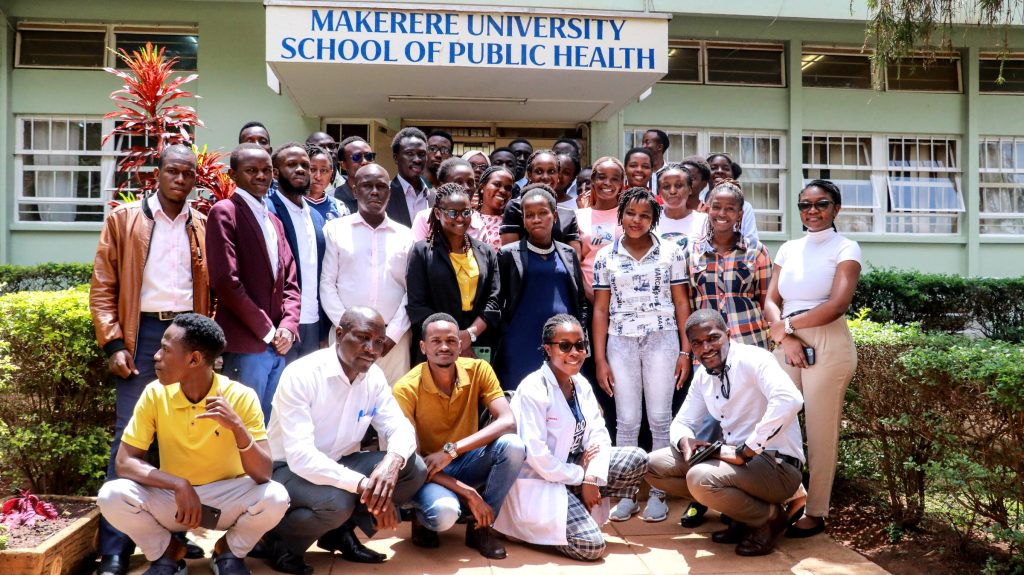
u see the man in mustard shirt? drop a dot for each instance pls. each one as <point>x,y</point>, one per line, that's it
<point>441,398</point>
<point>213,454</point>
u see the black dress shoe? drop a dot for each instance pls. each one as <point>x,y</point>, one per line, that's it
<point>694,515</point>
<point>485,541</point>
<point>731,535</point>
<point>344,541</point>
<point>761,540</point>
<point>794,532</point>
<point>192,551</point>
<point>285,561</point>
<point>112,565</point>
<point>423,537</point>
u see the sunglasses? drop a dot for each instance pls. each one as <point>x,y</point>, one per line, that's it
<point>452,214</point>
<point>567,346</point>
<point>820,205</point>
<point>360,156</point>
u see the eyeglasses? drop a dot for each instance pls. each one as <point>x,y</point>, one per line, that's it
<point>452,214</point>
<point>820,205</point>
<point>567,346</point>
<point>439,150</point>
<point>360,156</point>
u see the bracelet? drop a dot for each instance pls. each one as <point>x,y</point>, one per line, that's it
<point>594,483</point>
<point>252,441</point>
<point>688,354</point>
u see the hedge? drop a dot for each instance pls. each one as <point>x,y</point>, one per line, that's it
<point>56,407</point>
<point>944,303</point>
<point>43,277</point>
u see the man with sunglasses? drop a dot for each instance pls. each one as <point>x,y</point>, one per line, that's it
<point>759,464</point>
<point>353,153</point>
<point>442,397</point>
<point>364,264</point>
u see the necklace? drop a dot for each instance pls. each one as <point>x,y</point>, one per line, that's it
<point>541,251</point>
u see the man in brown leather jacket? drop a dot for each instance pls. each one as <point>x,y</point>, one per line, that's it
<point>149,267</point>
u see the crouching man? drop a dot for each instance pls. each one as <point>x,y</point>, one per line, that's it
<point>325,403</point>
<point>758,467</point>
<point>442,397</point>
<point>214,460</point>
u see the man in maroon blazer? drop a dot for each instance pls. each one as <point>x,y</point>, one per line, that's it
<point>252,273</point>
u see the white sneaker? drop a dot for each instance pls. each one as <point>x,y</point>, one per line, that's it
<point>623,510</point>
<point>656,510</point>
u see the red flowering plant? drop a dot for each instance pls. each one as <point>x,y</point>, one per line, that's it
<point>26,509</point>
<point>212,181</point>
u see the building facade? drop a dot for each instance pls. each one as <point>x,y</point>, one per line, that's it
<point>931,165</point>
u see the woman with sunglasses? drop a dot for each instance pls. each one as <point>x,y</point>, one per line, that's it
<point>451,171</point>
<point>810,291</point>
<point>641,355</point>
<point>453,273</point>
<point>494,191</point>
<point>723,168</point>
<point>539,278</point>
<point>561,496</point>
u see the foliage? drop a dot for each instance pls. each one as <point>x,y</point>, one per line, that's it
<point>898,28</point>
<point>946,416</point>
<point>145,112</point>
<point>26,509</point>
<point>944,303</point>
<point>56,409</point>
<point>3,537</point>
<point>211,178</point>
<point>43,277</point>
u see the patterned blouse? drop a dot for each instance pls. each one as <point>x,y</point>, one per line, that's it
<point>490,233</point>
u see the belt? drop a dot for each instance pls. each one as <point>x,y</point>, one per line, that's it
<point>790,460</point>
<point>163,315</point>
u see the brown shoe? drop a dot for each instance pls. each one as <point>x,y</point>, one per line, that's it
<point>761,540</point>
<point>731,535</point>
<point>423,537</point>
<point>485,541</point>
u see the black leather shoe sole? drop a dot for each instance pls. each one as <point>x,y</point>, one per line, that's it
<point>112,565</point>
<point>794,532</point>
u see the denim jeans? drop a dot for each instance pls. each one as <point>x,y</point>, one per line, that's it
<point>494,468</point>
<point>260,371</point>
<point>644,371</point>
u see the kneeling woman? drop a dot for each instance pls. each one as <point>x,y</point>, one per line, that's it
<point>561,496</point>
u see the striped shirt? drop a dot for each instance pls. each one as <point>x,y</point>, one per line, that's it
<point>735,284</point>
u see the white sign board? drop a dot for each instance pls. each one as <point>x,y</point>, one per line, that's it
<point>427,37</point>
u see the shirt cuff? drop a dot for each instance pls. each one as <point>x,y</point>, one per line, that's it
<point>270,335</point>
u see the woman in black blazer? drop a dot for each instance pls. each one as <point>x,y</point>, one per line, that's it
<point>453,273</point>
<point>540,278</point>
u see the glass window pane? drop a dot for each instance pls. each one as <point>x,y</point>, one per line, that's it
<point>923,194</point>
<point>1012,74</point>
<point>683,64</point>
<point>61,48</point>
<point>184,47</point>
<point>836,71</point>
<point>941,75</point>
<point>744,66</point>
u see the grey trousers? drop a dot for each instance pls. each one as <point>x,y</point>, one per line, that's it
<point>146,514</point>
<point>743,492</point>
<point>318,509</point>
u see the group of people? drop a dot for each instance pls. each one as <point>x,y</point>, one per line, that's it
<point>476,338</point>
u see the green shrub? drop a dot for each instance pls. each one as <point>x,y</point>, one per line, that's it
<point>56,407</point>
<point>43,277</point>
<point>944,303</point>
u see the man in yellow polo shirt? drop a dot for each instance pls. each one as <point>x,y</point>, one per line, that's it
<point>214,460</point>
<point>441,398</point>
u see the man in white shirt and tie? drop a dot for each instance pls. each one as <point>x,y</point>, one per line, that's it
<point>759,466</point>
<point>365,264</point>
<point>325,403</point>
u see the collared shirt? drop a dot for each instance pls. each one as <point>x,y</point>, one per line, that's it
<point>641,293</point>
<point>467,274</point>
<point>259,209</point>
<point>328,206</point>
<point>199,450</point>
<point>416,201</point>
<point>319,416</point>
<point>305,240</point>
<point>421,225</point>
<point>761,410</point>
<point>364,265</point>
<point>167,277</point>
<point>748,225</point>
<point>735,284</point>
<point>440,418</point>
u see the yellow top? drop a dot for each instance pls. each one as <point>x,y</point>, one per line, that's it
<point>467,273</point>
<point>199,450</point>
<point>440,418</point>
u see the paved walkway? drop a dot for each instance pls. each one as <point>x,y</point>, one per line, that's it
<point>634,548</point>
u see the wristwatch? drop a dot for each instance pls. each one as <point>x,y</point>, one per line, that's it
<point>450,449</point>
<point>741,453</point>
<point>472,334</point>
<point>788,326</point>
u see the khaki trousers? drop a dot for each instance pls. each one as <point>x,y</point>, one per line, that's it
<point>824,387</point>
<point>743,492</point>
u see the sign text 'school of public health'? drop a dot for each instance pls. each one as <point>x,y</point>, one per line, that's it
<point>472,39</point>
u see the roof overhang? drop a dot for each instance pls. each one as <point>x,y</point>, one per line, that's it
<point>349,59</point>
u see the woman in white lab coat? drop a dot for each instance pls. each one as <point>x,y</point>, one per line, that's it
<point>561,496</point>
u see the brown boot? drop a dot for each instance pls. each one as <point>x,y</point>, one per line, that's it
<point>485,541</point>
<point>761,540</point>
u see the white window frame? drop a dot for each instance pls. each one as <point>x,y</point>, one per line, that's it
<point>110,40</point>
<point>880,177</point>
<point>702,59</point>
<point>1017,168</point>
<point>704,149</point>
